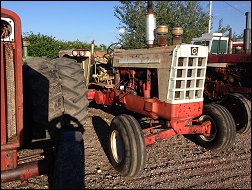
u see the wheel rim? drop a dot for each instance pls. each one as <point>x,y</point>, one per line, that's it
<point>117,147</point>
<point>213,131</point>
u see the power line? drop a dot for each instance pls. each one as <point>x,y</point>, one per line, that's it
<point>234,7</point>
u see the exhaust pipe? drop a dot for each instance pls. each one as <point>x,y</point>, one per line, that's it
<point>246,38</point>
<point>150,25</point>
<point>230,40</point>
<point>177,35</point>
<point>162,32</point>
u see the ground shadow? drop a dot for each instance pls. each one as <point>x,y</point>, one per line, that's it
<point>69,158</point>
<point>102,128</point>
<point>111,109</point>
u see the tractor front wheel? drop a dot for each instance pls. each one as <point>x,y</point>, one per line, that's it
<point>127,145</point>
<point>223,131</point>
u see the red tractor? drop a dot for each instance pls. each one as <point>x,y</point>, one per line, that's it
<point>228,75</point>
<point>36,108</point>
<point>164,85</point>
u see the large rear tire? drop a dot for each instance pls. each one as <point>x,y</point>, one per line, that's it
<point>43,99</point>
<point>223,129</point>
<point>240,108</point>
<point>127,148</point>
<point>73,88</point>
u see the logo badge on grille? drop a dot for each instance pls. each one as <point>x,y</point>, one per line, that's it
<point>194,50</point>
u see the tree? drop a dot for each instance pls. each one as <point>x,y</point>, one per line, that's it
<point>132,19</point>
<point>221,28</point>
<point>48,46</point>
<point>189,15</point>
<point>42,45</point>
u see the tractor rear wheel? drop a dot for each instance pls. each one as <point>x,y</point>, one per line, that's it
<point>240,108</point>
<point>127,148</point>
<point>222,134</point>
<point>43,100</point>
<point>73,87</point>
<point>55,101</point>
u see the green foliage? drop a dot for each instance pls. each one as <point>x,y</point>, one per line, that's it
<point>186,14</point>
<point>222,29</point>
<point>43,45</point>
<point>132,18</point>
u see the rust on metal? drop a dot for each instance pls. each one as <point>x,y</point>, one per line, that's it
<point>10,90</point>
<point>25,171</point>
<point>3,100</point>
<point>8,159</point>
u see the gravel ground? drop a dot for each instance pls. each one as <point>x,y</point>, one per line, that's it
<point>171,163</point>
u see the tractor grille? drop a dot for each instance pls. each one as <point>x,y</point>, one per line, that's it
<point>187,74</point>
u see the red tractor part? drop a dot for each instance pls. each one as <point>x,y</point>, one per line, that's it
<point>229,58</point>
<point>25,171</point>
<point>12,104</point>
<point>11,89</point>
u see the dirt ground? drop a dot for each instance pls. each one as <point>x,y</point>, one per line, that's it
<point>172,163</point>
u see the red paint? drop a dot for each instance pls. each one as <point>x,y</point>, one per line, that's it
<point>25,171</point>
<point>151,139</point>
<point>147,85</point>
<point>153,108</point>
<point>91,94</point>
<point>178,127</point>
<point>8,159</point>
<point>105,97</point>
<point>12,144</point>
<point>229,58</point>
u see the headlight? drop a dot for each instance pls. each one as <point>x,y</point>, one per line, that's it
<point>81,53</point>
<point>75,53</point>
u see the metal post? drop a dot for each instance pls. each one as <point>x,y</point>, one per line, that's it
<point>210,16</point>
<point>230,40</point>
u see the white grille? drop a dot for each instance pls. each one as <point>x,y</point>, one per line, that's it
<point>187,75</point>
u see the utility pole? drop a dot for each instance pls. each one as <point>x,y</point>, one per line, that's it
<point>210,16</point>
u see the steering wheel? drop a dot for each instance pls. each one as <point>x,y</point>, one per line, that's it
<point>112,47</point>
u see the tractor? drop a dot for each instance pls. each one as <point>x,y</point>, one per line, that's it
<point>228,75</point>
<point>162,87</point>
<point>162,83</point>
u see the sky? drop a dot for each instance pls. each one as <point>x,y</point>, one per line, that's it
<point>95,20</point>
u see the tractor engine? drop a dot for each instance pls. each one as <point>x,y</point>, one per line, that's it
<point>137,81</point>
